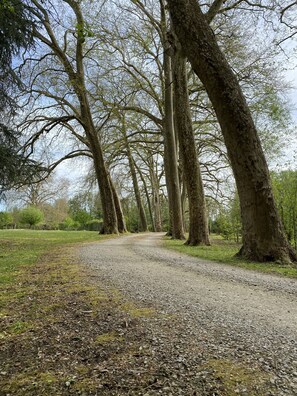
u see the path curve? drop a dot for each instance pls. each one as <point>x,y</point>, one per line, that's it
<point>236,312</point>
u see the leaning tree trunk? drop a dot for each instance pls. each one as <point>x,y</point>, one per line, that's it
<point>198,224</point>
<point>110,222</point>
<point>77,79</point>
<point>156,198</point>
<point>118,208</point>
<point>148,201</point>
<point>170,156</point>
<point>263,233</point>
<point>143,222</point>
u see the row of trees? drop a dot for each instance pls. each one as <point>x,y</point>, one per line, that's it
<point>112,81</point>
<point>47,206</point>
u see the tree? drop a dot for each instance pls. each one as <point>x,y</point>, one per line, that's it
<point>170,144</point>
<point>16,28</point>
<point>133,173</point>
<point>284,185</point>
<point>263,234</point>
<point>198,225</point>
<point>41,192</point>
<point>228,222</point>
<point>70,53</point>
<point>31,216</point>
<point>5,219</point>
<point>16,169</point>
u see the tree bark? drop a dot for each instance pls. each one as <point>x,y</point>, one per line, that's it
<point>156,198</point>
<point>142,217</point>
<point>170,157</point>
<point>198,224</point>
<point>263,233</point>
<point>118,208</point>
<point>147,196</point>
<point>110,221</point>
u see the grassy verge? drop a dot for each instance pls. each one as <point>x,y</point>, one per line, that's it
<point>63,332</point>
<point>20,248</point>
<point>223,251</point>
<point>60,333</point>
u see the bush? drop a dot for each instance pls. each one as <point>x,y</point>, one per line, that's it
<point>5,219</point>
<point>69,224</point>
<point>94,225</point>
<point>30,216</point>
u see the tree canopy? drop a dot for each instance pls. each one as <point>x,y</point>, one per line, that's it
<point>16,33</point>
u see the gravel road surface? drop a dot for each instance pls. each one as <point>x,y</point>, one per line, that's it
<point>235,315</point>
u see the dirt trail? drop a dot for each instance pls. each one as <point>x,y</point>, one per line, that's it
<point>235,313</point>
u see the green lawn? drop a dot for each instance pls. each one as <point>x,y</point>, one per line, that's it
<point>223,251</point>
<point>19,248</point>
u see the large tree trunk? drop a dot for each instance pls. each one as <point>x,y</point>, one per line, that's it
<point>263,234</point>
<point>110,222</point>
<point>170,155</point>
<point>77,79</point>
<point>198,224</point>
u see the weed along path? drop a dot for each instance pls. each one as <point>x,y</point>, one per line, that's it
<point>219,329</point>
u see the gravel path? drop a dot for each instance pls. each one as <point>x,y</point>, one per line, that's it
<point>237,315</point>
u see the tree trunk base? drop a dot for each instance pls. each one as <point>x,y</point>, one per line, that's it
<point>196,242</point>
<point>178,237</point>
<point>108,231</point>
<point>123,231</point>
<point>281,255</point>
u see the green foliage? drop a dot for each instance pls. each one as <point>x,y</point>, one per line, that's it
<point>6,218</point>
<point>31,216</point>
<point>228,221</point>
<point>69,224</point>
<point>16,169</point>
<point>84,30</point>
<point>16,32</point>
<point>82,217</point>
<point>24,247</point>
<point>84,208</point>
<point>132,217</point>
<point>284,186</point>
<point>273,118</point>
<point>94,225</point>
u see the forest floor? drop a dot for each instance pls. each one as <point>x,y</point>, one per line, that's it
<point>125,316</point>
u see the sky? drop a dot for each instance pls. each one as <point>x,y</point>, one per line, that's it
<point>291,149</point>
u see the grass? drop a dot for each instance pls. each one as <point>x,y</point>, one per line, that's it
<point>236,378</point>
<point>223,251</point>
<point>19,248</point>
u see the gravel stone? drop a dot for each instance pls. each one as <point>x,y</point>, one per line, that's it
<point>222,312</point>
